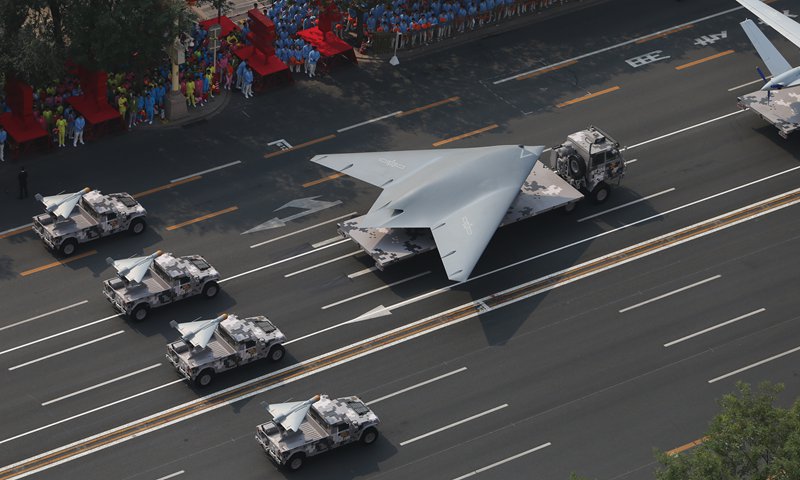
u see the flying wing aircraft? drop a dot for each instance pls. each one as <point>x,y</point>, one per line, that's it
<point>783,75</point>
<point>291,414</point>
<point>62,205</point>
<point>133,269</point>
<point>199,332</point>
<point>461,194</point>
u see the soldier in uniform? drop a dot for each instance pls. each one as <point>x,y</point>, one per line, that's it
<point>22,176</point>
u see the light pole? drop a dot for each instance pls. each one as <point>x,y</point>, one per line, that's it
<point>176,102</point>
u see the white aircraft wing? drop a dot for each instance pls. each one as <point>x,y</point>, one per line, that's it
<point>135,268</point>
<point>775,19</point>
<point>378,168</point>
<point>65,203</point>
<point>294,413</point>
<point>766,50</point>
<point>199,333</point>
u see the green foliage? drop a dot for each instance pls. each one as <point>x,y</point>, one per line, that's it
<point>31,50</point>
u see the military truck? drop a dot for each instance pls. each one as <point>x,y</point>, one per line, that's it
<point>304,429</point>
<point>80,217</point>
<point>209,347</point>
<point>143,283</point>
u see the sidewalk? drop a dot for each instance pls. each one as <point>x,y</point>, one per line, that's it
<point>196,114</point>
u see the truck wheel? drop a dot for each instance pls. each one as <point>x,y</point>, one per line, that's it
<point>577,167</point>
<point>600,193</point>
<point>369,436</point>
<point>296,461</point>
<point>210,289</point>
<point>139,313</point>
<point>276,353</point>
<point>68,247</point>
<point>137,226</point>
<point>205,378</point>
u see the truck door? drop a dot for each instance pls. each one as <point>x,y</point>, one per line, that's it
<point>109,223</point>
<point>184,287</point>
<point>249,352</point>
<point>341,433</point>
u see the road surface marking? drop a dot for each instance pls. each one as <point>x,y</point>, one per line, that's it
<point>282,261</point>
<point>428,106</point>
<point>362,272</point>
<point>587,97</point>
<point>302,145</point>
<point>102,384</point>
<point>57,263</point>
<point>37,317</point>
<point>753,365</point>
<point>704,60</point>
<point>496,464</point>
<point>626,204</point>
<point>16,230</point>
<point>325,242</point>
<point>664,33</point>
<point>164,187</point>
<point>628,162</point>
<point>454,424</point>
<point>547,70</point>
<point>304,229</point>
<point>669,294</point>
<point>689,445</point>
<point>465,135</point>
<point>683,130</point>
<point>61,352</point>
<point>687,337</point>
<point>748,84</point>
<point>55,335</point>
<point>173,475</point>
<point>312,267</point>
<point>378,119</point>
<point>323,180</point>
<point>197,174</point>
<point>412,387</point>
<point>384,287</point>
<point>204,217</point>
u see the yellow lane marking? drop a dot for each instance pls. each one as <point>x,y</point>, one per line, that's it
<point>703,60</point>
<point>465,135</point>
<point>663,34</point>
<point>323,180</point>
<point>587,97</point>
<point>204,217</point>
<point>164,187</point>
<point>689,445</point>
<point>60,262</point>
<point>311,142</point>
<point>547,70</point>
<point>430,105</point>
<point>16,232</point>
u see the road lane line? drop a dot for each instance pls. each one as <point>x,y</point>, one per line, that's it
<point>628,162</point>
<point>325,242</point>
<point>683,130</point>
<point>465,135</point>
<point>61,352</point>
<point>428,106</point>
<point>197,174</point>
<point>282,261</point>
<point>663,34</point>
<point>497,464</point>
<point>362,272</point>
<point>704,60</point>
<point>102,384</point>
<point>587,97</point>
<point>687,446</point>
<point>687,337</point>
<point>304,229</point>
<point>547,70</point>
<point>323,179</point>
<point>165,187</point>
<point>369,292</point>
<point>413,387</point>
<point>669,294</point>
<point>55,335</point>
<point>16,230</point>
<point>302,145</point>
<point>626,204</point>
<point>753,365</point>
<point>454,424</point>
<point>748,84</point>
<point>57,263</point>
<point>378,119</point>
<point>312,267</point>
<point>37,317</point>
<point>204,217</point>
<point>172,475</point>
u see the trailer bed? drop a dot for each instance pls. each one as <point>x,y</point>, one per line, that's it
<point>781,108</point>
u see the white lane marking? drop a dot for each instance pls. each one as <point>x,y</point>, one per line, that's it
<point>497,464</point>
<point>237,162</point>
<point>312,267</point>
<point>172,475</point>
<point>687,337</point>
<point>685,129</point>
<point>412,387</point>
<point>16,228</point>
<point>454,424</point>
<point>628,162</point>
<point>61,352</point>
<point>88,412</point>
<point>669,294</point>
<point>626,204</point>
<point>60,334</point>
<point>102,384</point>
<point>369,121</point>
<point>303,230</point>
<point>384,287</point>
<point>612,47</point>
<point>37,317</point>
<point>753,365</point>
<point>325,242</point>
<point>748,84</point>
<point>362,272</point>
<point>282,261</point>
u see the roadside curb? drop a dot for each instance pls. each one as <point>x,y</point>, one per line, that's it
<point>197,114</point>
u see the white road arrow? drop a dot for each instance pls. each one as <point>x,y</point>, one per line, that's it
<point>309,205</point>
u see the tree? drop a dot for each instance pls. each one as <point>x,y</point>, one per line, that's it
<point>750,439</point>
<point>222,6</point>
<point>31,49</point>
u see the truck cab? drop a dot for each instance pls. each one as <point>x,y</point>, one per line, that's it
<point>589,160</point>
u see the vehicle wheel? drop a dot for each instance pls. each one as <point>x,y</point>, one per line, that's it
<point>276,353</point>
<point>296,461</point>
<point>140,312</point>
<point>210,289</point>
<point>577,167</point>
<point>137,226</point>
<point>205,378</point>
<point>369,436</point>
<point>600,193</point>
<point>68,247</point>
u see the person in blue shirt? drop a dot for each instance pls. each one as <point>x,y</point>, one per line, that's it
<point>3,138</point>
<point>149,108</point>
<point>313,58</point>
<point>306,49</point>
<point>139,107</point>
<point>80,124</point>
<point>240,74</point>
<point>248,83</point>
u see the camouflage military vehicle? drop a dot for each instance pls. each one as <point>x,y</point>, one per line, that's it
<point>589,160</point>
<point>149,282</point>
<point>84,216</point>
<point>208,347</point>
<point>304,429</point>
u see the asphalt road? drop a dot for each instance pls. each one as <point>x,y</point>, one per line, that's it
<point>566,380</point>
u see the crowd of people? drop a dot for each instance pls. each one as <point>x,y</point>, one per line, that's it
<point>52,111</point>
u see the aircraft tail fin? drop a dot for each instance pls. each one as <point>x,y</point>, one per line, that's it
<point>766,50</point>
